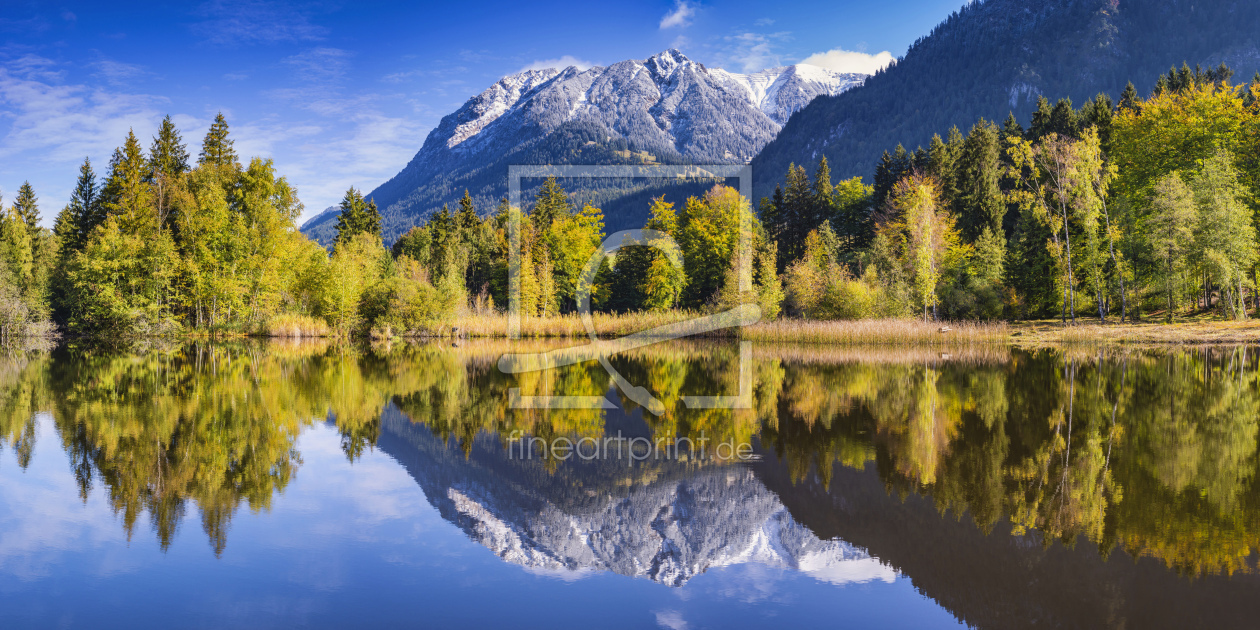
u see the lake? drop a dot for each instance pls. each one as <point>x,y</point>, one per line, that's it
<point>286,484</point>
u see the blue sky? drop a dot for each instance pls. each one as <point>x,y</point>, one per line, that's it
<point>343,93</point>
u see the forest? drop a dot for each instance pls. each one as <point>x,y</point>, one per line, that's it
<point>1141,208</point>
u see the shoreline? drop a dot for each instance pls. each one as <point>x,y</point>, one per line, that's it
<point>868,332</point>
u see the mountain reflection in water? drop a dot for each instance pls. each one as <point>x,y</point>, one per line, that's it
<point>1015,488</point>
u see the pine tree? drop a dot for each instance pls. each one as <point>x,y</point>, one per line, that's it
<point>1040,120</point>
<point>78,218</point>
<point>980,202</point>
<point>798,203</point>
<point>168,156</point>
<point>357,216</point>
<point>216,149</point>
<point>822,206</point>
<point>1129,98</point>
<point>126,193</point>
<point>27,207</point>
<point>1063,119</point>
<point>550,203</point>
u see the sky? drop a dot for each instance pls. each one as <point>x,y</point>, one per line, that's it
<point>343,93</point>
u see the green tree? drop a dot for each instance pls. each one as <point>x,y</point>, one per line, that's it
<point>168,156</point>
<point>1169,230</point>
<point>216,149</point>
<point>27,207</point>
<point>358,216</point>
<point>1226,236</point>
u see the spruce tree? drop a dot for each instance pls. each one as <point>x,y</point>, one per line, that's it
<point>78,218</point>
<point>823,208</point>
<point>980,202</point>
<point>550,203</point>
<point>1129,98</point>
<point>216,149</point>
<point>1040,120</point>
<point>798,202</point>
<point>1063,119</point>
<point>126,192</point>
<point>27,207</point>
<point>357,216</point>
<point>168,156</point>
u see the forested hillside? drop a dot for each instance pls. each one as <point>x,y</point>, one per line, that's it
<point>996,57</point>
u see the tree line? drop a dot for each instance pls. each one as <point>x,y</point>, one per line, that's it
<point>1113,210</point>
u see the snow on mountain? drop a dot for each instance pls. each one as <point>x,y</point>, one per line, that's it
<point>665,108</point>
<point>668,89</point>
<point>668,533</point>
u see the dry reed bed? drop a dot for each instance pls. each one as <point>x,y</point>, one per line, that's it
<point>879,332</point>
<point>1152,333</point>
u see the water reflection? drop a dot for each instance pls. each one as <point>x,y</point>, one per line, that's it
<point>1029,459</point>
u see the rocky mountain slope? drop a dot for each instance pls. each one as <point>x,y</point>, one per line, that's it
<point>664,109</point>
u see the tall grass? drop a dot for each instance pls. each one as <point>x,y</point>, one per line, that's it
<point>878,332</point>
<point>855,332</point>
<point>569,325</point>
<point>297,326</point>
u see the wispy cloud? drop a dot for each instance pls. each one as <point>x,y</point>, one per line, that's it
<point>850,60</point>
<point>752,52</point>
<point>558,63</point>
<point>320,65</point>
<point>228,22</point>
<point>51,125</point>
<point>116,72</point>
<point>679,17</point>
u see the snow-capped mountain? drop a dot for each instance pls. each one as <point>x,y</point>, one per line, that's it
<point>666,101</point>
<point>580,520</point>
<point>666,108</point>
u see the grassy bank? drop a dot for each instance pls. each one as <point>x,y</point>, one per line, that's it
<point>1183,332</point>
<point>888,332</point>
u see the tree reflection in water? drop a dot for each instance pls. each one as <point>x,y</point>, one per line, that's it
<point>1154,451</point>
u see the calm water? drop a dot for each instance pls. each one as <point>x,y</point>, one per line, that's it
<point>279,485</point>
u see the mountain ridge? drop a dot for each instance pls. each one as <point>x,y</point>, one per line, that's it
<point>664,109</point>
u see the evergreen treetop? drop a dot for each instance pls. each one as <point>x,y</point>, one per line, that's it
<point>216,149</point>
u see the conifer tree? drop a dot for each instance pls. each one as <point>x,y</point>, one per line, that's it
<point>168,156</point>
<point>1129,98</point>
<point>822,188</point>
<point>126,192</point>
<point>27,207</point>
<point>980,202</point>
<point>78,218</point>
<point>216,149</point>
<point>357,216</point>
<point>551,203</point>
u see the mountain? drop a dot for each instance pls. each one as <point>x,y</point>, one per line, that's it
<point>996,57</point>
<point>664,109</point>
<point>586,517</point>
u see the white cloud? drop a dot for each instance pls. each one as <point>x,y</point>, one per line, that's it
<point>850,61</point>
<point>559,64</point>
<point>680,16</point>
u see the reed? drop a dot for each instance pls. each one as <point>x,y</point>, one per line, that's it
<point>297,327</point>
<point>878,332</point>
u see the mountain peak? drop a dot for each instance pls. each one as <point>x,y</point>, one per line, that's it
<point>667,61</point>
